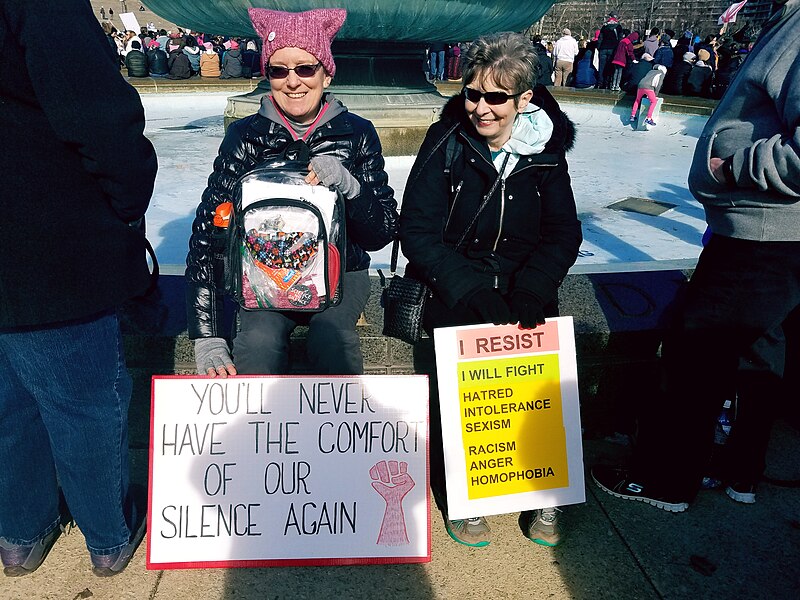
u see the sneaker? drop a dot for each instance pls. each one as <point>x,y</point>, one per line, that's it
<point>108,565</point>
<point>544,528</point>
<point>632,120</point>
<point>618,482</point>
<point>650,122</point>
<point>742,492</point>
<point>470,532</point>
<point>23,560</point>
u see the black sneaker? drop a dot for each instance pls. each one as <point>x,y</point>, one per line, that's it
<point>617,481</point>
<point>742,492</point>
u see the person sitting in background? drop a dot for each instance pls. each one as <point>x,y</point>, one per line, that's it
<point>710,46</point>
<point>192,52</point>
<point>585,71</point>
<point>178,62</point>
<point>231,61</point>
<point>209,62</point>
<point>251,60</point>
<point>675,81</point>
<point>699,81</point>
<point>136,61</point>
<point>649,87</point>
<point>637,70</point>
<point>664,54</point>
<point>157,60</point>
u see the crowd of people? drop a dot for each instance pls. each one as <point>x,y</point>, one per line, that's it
<point>183,55</point>
<point>489,223</point>
<point>617,59</point>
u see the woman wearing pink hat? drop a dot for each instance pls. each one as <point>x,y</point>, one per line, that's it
<point>345,154</point>
<point>231,61</point>
<point>209,61</point>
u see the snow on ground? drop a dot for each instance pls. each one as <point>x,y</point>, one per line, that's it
<point>610,162</point>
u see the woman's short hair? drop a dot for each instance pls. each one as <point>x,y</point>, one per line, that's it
<point>509,57</point>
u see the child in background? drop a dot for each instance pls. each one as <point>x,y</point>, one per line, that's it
<point>649,86</point>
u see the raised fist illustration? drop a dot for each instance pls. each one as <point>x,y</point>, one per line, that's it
<point>392,481</point>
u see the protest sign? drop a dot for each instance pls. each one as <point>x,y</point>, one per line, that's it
<point>510,417</point>
<point>268,471</point>
<point>130,22</point>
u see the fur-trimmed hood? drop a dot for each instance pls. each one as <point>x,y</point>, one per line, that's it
<point>562,139</point>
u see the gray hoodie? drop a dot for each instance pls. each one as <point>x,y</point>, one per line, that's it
<point>756,130</point>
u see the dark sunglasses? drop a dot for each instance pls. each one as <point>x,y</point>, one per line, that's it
<point>493,98</point>
<point>305,71</point>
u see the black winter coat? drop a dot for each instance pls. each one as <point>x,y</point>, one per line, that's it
<point>527,236</point>
<point>179,65</point>
<point>75,171</point>
<point>371,217</point>
<point>675,79</point>
<point>136,62</point>
<point>157,62</point>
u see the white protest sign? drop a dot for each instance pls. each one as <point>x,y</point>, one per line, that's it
<point>510,417</point>
<point>129,22</point>
<point>267,471</point>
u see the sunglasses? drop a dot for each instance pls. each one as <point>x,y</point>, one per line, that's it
<point>304,71</point>
<point>493,98</point>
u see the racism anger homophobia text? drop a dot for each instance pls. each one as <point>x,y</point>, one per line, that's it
<point>284,451</point>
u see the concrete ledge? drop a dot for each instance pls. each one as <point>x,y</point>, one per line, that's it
<point>618,320</point>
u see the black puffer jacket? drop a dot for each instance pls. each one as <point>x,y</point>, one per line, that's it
<point>526,238</point>
<point>372,218</point>
<point>136,62</point>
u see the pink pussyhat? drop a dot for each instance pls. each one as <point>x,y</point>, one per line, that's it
<point>312,31</point>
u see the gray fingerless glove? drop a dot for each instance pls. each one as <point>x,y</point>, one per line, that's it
<point>332,173</point>
<point>211,353</point>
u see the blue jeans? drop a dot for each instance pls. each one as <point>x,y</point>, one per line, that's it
<point>437,60</point>
<point>604,67</point>
<point>261,346</point>
<point>64,396</point>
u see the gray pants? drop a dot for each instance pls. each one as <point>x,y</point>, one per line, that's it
<point>261,346</point>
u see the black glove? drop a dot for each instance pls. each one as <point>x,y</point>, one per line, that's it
<point>527,309</point>
<point>490,306</point>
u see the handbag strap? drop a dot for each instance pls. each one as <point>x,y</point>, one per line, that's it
<point>486,198</point>
<point>484,203</point>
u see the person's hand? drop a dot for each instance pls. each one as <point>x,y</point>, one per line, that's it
<point>527,309</point>
<point>491,307</point>
<point>327,170</point>
<point>716,166</point>
<point>213,357</point>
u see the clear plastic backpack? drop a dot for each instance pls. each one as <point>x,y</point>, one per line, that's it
<point>285,245</point>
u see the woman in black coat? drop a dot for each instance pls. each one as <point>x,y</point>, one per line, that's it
<point>501,262</point>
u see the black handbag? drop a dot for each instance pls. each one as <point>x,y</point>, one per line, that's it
<point>403,302</point>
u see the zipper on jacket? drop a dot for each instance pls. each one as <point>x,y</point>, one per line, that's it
<point>453,205</point>
<point>502,211</point>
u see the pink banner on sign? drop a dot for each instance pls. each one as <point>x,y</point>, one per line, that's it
<point>507,340</point>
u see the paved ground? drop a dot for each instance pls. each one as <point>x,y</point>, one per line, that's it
<point>614,550</point>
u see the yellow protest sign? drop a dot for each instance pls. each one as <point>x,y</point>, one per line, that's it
<point>510,417</point>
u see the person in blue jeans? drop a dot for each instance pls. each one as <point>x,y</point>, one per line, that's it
<point>69,206</point>
<point>436,57</point>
